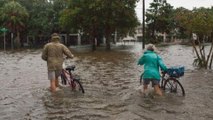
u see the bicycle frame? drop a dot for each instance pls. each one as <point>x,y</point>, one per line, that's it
<point>67,75</point>
<point>71,79</point>
<point>163,79</point>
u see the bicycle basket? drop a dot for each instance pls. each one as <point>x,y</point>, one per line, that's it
<point>176,71</point>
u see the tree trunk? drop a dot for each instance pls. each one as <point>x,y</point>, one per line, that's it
<point>196,51</point>
<point>12,41</point>
<point>17,40</point>
<point>211,59</point>
<point>93,43</point>
<point>210,56</point>
<point>108,47</point>
<point>108,40</point>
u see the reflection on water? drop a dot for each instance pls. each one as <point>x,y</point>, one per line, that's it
<point>111,83</point>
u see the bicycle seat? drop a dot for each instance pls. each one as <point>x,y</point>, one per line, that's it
<point>70,68</point>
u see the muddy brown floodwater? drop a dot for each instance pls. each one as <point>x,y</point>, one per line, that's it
<point>111,82</point>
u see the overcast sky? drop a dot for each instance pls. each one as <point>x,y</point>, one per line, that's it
<point>189,4</point>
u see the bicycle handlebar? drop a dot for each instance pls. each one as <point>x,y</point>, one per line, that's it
<point>66,62</point>
<point>163,73</point>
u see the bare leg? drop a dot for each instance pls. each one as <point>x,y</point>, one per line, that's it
<point>52,85</point>
<point>145,87</point>
<point>56,83</point>
<point>158,90</point>
<point>144,91</point>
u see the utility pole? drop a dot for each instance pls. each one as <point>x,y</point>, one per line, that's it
<point>143,4</point>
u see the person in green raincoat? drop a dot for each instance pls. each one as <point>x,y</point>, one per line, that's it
<point>152,62</point>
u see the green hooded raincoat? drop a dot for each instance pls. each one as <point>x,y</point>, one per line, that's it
<point>152,62</point>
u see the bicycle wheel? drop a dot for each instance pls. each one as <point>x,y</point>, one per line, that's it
<point>76,85</point>
<point>173,86</point>
<point>162,83</point>
<point>141,80</point>
<point>63,80</point>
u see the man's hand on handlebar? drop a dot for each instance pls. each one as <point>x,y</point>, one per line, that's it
<point>68,57</point>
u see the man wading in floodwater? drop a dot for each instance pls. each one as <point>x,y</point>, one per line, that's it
<point>53,53</point>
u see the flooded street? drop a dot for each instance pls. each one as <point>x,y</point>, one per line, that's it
<point>111,83</point>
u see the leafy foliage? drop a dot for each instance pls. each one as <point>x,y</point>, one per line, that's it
<point>199,21</point>
<point>93,16</point>
<point>14,17</point>
<point>159,17</point>
<point>41,14</point>
<point>182,18</point>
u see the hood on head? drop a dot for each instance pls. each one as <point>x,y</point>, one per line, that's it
<point>55,37</point>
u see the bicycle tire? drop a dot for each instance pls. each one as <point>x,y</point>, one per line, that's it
<point>141,80</point>
<point>78,85</point>
<point>162,83</point>
<point>172,85</point>
<point>63,80</point>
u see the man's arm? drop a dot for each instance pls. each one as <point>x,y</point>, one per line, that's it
<point>67,52</point>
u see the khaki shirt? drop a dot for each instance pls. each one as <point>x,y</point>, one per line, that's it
<point>53,53</point>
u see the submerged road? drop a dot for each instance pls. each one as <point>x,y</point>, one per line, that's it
<point>111,82</point>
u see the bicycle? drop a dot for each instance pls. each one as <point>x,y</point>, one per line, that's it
<point>68,78</point>
<point>170,81</point>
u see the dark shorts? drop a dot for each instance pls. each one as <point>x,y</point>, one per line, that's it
<point>146,81</point>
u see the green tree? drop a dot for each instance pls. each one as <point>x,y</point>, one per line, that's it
<point>14,16</point>
<point>58,7</point>
<point>199,21</point>
<point>2,2</point>
<point>119,15</point>
<point>159,18</point>
<point>41,16</point>
<point>182,19</point>
<point>202,26</point>
<point>93,16</point>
